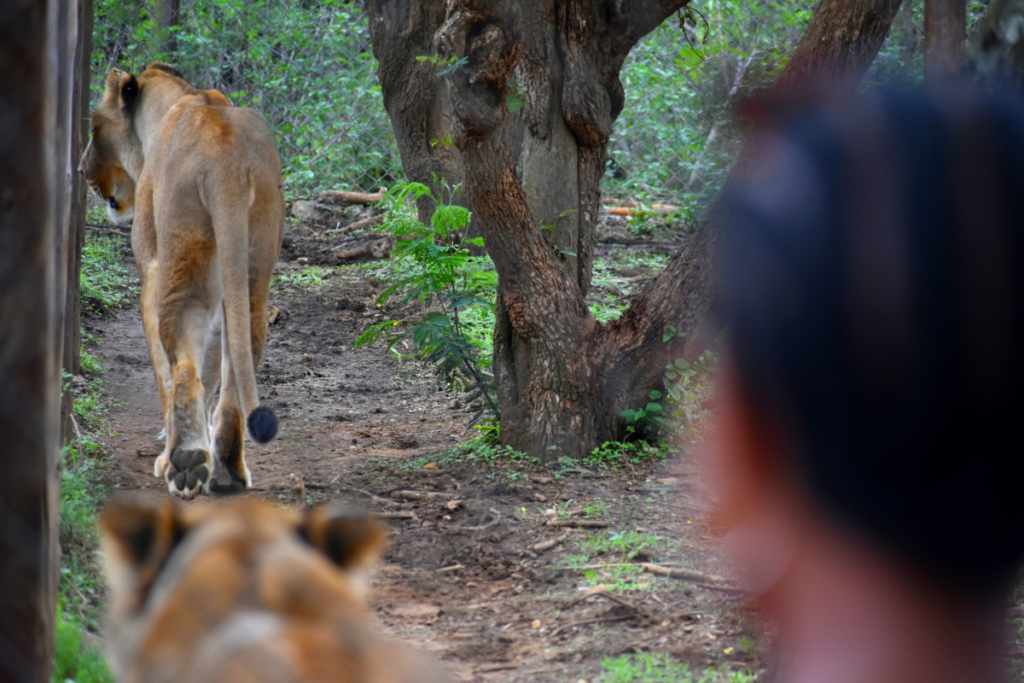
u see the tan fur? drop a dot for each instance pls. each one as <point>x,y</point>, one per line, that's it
<point>244,591</point>
<point>203,180</point>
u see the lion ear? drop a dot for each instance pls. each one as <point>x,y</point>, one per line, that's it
<point>350,539</point>
<point>112,91</point>
<point>140,534</point>
<point>129,93</point>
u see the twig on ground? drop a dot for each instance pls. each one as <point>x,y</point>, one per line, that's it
<point>596,620</point>
<point>684,574</point>
<point>396,515</point>
<point>420,495</point>
<point>496,667</point>
<point>497,516</point>
<point>109,229</point>
<point>549,544</point>
<point>357,225</point>
<point>372,496</point>
<point>453,568</point>
<point>353,197</point>
<point>579,523</point>
<point>78,436</point>
<point>601,594</point>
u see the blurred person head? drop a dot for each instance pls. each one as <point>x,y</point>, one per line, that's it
<point>869,453</point>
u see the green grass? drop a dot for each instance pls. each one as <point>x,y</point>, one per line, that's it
<point>105,284</point>
<point>479,449</point>
<point>80,582</point>
<point>609,559</point>
<point>628,544</point>
<point>75,660</point>
<point>106,280</point>
<point>310,276</point>
<point>652,668</point>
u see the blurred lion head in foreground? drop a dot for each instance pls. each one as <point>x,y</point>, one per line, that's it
<point>244,591</point>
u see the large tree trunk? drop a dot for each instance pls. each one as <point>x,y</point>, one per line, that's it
<point>167,15</point>
<point>416,99</point>
<point>36,51</point>
<point>945,34</point>
<point>563,378</point>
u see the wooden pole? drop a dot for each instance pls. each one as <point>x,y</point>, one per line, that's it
<point>945,31</point>
<point>76,225</point>
<point>33,171</point>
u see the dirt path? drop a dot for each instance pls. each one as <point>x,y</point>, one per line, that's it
<point>476,574</point>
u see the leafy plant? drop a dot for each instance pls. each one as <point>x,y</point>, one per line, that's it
<point>618,454</point>
<point>433,266</point>
<point>105,280</point>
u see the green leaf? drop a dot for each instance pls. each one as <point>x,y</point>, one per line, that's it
<point>653,407</point>
<point>514,103</point>
<point>682,364</point>
<point>655,395</point>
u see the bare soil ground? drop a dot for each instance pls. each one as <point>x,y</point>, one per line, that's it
<point>477,572</point>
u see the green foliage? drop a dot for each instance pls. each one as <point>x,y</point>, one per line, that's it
<point>82,492</point>
<point>106,282</point>
<point>619,454</point>
<point>677,409</point>
<point>75,661</point>
<point>432,265</point>
<point>307,66</point>
<point>484,448</point>
<point>310,276</point>
<point>643,667</point>
<point>627,544</point>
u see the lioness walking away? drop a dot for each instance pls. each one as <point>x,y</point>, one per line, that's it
<point>203,182</point>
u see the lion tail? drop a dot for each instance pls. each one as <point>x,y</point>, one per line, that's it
<point>231,230</point>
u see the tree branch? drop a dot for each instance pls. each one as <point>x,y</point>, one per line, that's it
<point>840,42</point>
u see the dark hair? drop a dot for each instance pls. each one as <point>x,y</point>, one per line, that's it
<point>873,278</point>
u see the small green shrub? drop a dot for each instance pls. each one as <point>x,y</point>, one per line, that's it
<point>432,265</point>
<point>619,454</point>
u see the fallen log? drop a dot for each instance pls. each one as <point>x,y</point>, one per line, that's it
<point>353,197</point>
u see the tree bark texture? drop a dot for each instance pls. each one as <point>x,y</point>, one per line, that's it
<point>416,100</point>
<point>34,35</point>
<point>945,34</point>
<point>76,232</point>
<point>66,139</point>
<point>167,14</point>
<point>563,378</point>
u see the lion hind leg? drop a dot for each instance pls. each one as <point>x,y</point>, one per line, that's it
<point>185,318</point>
<point>157,354</point>
<point>190,463</point>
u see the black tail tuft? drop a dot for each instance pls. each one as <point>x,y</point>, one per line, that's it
<point>262,424</point>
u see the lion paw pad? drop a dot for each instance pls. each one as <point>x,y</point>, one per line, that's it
<point>189,472</point>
